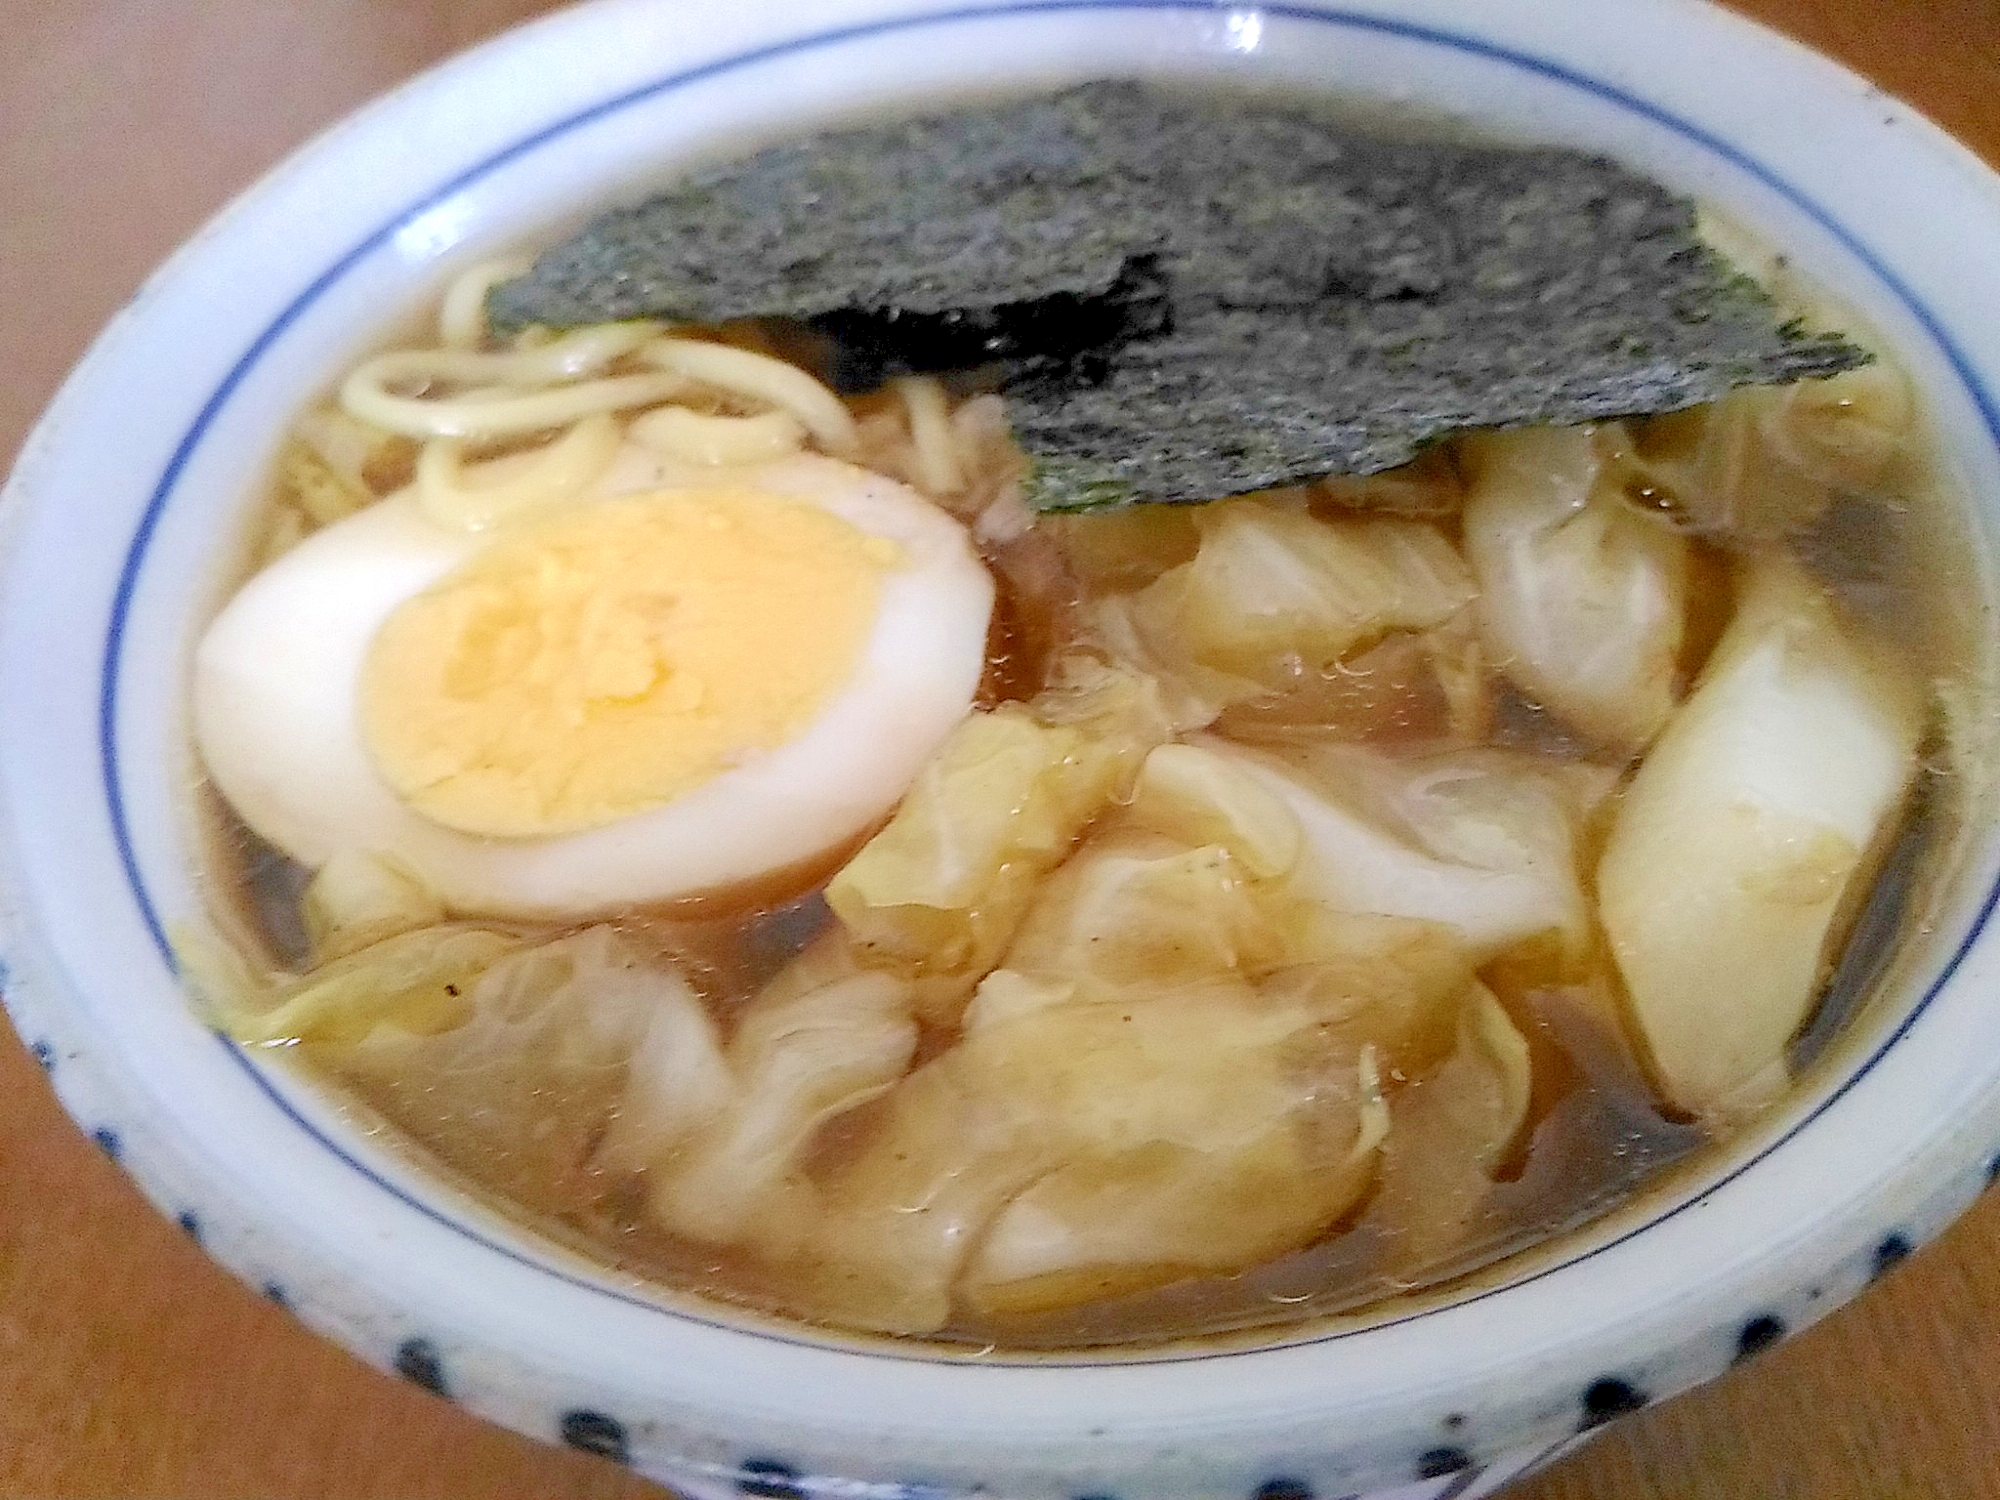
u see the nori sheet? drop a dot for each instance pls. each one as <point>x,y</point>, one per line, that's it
<point>1187,299</point>
<point>971,211</point>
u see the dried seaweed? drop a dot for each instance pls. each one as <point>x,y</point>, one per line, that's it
<point>1186,299</point>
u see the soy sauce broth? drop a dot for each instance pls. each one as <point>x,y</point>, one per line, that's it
<point>1896,555</point>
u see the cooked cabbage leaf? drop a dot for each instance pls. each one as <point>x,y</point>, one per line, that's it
<point>1102,1224</point>
<point>1483,841</point>
<point>419,983</point>
<point>794,1063</point>
<point>1120,550</point>
<point>1450,1135</point>
<point>1087,1146</point>
<point>936,895</point>
<point>1138,911</point>
<point>1725,885</point>
<point>1275,597</point>
<point>355,900</point>
<point>1583,601</point>
<point>1763,463</point>
<point>939,888</point>
<point>1176,1071</point>
<point>1117,705</point>
<point>1427,488</point>
<point>505,1059</point>
<point>1410,688</point>
<point>1197,797</point>
<point>1190,882</point>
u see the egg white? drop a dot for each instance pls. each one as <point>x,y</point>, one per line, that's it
<point>276,718</point>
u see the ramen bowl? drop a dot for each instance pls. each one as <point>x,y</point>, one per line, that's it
<point>139,478</point>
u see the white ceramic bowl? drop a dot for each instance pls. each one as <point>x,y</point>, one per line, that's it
<point>113,523</point>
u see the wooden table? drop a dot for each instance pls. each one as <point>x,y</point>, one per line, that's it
<point>130,1366</point>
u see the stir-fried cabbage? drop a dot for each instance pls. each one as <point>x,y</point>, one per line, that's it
<point>936,895</point>
<point>1451,1133</point>
<point>1275,597</point>
<point>1763,463</point>
<point>1734,854</point>
<point>1583,601</point>
<point>1483,841</point>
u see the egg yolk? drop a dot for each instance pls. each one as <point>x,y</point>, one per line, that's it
<point>588,667</point>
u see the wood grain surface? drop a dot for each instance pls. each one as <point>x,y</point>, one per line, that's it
<point>131,1367</point>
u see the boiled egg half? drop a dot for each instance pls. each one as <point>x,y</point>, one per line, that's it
<point>690,682</point>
